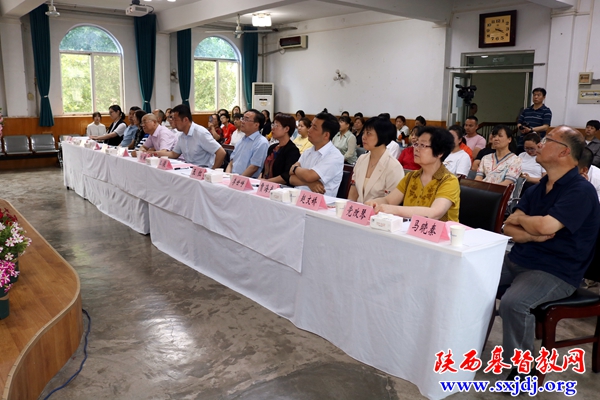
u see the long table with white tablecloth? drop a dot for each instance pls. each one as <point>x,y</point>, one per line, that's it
<point>387,299</point>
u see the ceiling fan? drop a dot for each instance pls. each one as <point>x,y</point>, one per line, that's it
<point>239,31</point>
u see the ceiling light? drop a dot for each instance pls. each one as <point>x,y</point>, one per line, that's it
<point>52,10</point>
<point>261,19</point>
<point>484,56</point>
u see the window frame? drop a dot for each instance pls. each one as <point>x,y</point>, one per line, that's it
<point>91,54</point>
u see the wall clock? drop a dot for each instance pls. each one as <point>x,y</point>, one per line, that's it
<point>498,29</point>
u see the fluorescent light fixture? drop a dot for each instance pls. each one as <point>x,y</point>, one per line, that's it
<point>484,56</point>
<point>261,20</point>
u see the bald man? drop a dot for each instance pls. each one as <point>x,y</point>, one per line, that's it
<point>161,138</point>
<point>554,229</point>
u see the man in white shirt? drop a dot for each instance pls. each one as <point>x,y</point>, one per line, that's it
<point>320,168</point>
<point>474,140</point>
<point>96,128</point>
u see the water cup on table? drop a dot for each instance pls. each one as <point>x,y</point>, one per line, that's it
<point>457,233</point>
<point>339,207</point>
<point>294,193</point>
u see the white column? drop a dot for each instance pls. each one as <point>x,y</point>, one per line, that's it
<point>162,82</point>
<point>15,83</point>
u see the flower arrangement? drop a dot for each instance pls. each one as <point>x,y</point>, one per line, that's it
<point>13,241</point>
<point>7,272</point>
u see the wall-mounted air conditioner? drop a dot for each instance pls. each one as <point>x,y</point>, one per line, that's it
<point>293,42</point>
<point>263,97</point>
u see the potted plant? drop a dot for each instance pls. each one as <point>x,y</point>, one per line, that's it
<point>13,241</point>
<point>7,273</point>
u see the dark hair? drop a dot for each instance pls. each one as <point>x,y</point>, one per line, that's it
<point>512,146</point>
<point>534,137</point>
<point>306,122</point>
<point>442,141</point>
<point>183,111</point>
<point>134,108</point>
<point>473,105</point>
<point>401,117</point>
<point>117,108</point>
<point>268,117</point>
<point>361,119</point>
<point>346,119</point>
<point>594,123</point>
<point>421,120</point>
<point>330,123</point>
<point>168,109</point>
<point>226,116</point>
<point>238,116</point>
<point>383,127</point>
<point>585,161</point>
<point>161,116</point>
<point>474,118</point>
<point>384,115</point>
<point>539,89</point>
<point>258,118</point>
<point>96,114</point>
<point>345,113</point>
<point>324,111</point>
<point>286,121</point>
<point>460,131</point>
<point>139,114</point>
<point>221,109</point>
<point>302,115</point>
<point>575,140</point>
<point>358,115</point>
<point>239,108</point>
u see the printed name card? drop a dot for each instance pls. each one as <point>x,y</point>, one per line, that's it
<point>240,182</point>
<point>125,152</point>
<point>198,173</point>
<point>358,213</point>
<point>311,201</point>
<point>165,164</point>
<point>142,156</point>
<point>97,147</point>
<point>68,139</point>
<point>428,229</point>
<point>265,187</point>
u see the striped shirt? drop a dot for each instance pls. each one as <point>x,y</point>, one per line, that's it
<point>535,118</point>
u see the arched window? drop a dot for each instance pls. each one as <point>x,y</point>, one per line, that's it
<point>91,70</point>
<point>216,75</point>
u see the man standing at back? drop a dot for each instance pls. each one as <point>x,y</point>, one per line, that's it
<point>320,168</point>
<point>537,117</point>
<point>248,157</point>
<point>474,140</point>
<point>554,229</point>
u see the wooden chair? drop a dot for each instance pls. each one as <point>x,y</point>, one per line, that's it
<point>482,204</point>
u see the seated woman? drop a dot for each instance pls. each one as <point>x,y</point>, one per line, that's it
<point>226,127</point>
<point>214,127</point>
<point>531,170</point>
<point>345,141</point>
<point>140,135</point>
<point>281,156</point>
<point>302,140</point>
<point>432,191</point>
<point>376,173</point>
<point>407,157</point>
<point>458,161</point>
<point>502,167</point>
<point>116,130</point>
<point>358,128</point>
<point>267,126</point>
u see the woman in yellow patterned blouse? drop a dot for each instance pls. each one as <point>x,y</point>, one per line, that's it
<point>432,191</point>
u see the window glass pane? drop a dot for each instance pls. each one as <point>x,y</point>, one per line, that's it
<point>228,83</point>
<point>76,83</point>
<point>88,38</point>
<point>214,47</point>
<point>204,85</point>
<point>107,81</point>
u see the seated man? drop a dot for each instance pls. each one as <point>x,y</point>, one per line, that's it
<point>591,141</point>
<point>554,228</point>
<point>195,143</point>
<point>160,137</point>
<point>320,168</point>
<point>475,141</point>
<point>249,155</point>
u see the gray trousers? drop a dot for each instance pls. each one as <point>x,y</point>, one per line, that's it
<point>529,288</point>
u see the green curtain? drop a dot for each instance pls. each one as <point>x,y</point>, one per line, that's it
<point>40,38</point>
<point>145,45</point>
<point>249,63</point>
<point>184,63</point>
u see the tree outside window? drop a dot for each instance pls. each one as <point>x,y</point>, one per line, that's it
<point>216,75</point>
<point>91,70</point>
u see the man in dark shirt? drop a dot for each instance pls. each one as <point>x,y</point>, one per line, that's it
<point>554,229</point>
<point>591,141</point>
<point>538,117</point>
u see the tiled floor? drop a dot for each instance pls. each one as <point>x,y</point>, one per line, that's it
<point>161,330</point>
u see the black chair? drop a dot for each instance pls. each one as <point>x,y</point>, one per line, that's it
<point>344,185</point>
<point>482,204</point>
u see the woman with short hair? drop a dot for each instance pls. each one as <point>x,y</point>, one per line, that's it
<point>282,155</point>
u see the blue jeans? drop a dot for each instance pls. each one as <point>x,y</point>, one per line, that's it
<point>528,289</point>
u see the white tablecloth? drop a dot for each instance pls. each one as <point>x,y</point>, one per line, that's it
<point>389,300</point>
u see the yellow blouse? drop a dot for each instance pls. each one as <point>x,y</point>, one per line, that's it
<point>302,143</point>
<point>443,185</point>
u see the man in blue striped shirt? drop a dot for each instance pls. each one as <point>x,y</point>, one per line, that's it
<point>537,117</point>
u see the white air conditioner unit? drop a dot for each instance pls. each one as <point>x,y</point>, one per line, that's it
<point>137,11</point>
<point>263,97</point>
<point>293,42</point>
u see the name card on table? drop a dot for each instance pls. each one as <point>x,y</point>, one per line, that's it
<point>239,182</point>
<point>311,201</point>
<point>165,164</point>
<point>82,143</point>
<point>68,139</point>
<point>357,213</point>
<point>104,148</point>
<point>198,173</point>
<point>428,229</point>
<point>265,187</point>
<point>97,147</point>
<point>142,155</point>
<point>125,152</point>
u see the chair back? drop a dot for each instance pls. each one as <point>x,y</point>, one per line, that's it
<point>43,143</point>
<point>16,145</point>
<point>344,185</point>
<point>482,204</point>
<point>593,270</point>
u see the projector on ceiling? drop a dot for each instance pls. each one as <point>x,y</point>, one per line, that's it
<point>138,10</point>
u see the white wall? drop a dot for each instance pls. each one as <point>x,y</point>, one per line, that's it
<point>393,65</point>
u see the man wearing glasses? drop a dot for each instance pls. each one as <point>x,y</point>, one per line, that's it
<point>248,157</point>
<point>554,228</point>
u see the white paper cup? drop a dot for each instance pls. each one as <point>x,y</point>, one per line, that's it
<point>294,193</point>
<point>154,161</point>
<point>339,207</point>
<point>457,232</point>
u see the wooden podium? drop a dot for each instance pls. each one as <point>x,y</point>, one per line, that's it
<point>45,323</point>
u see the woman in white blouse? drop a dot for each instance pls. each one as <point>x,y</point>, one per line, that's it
<point>376,173</point>
<point>458,161</point>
